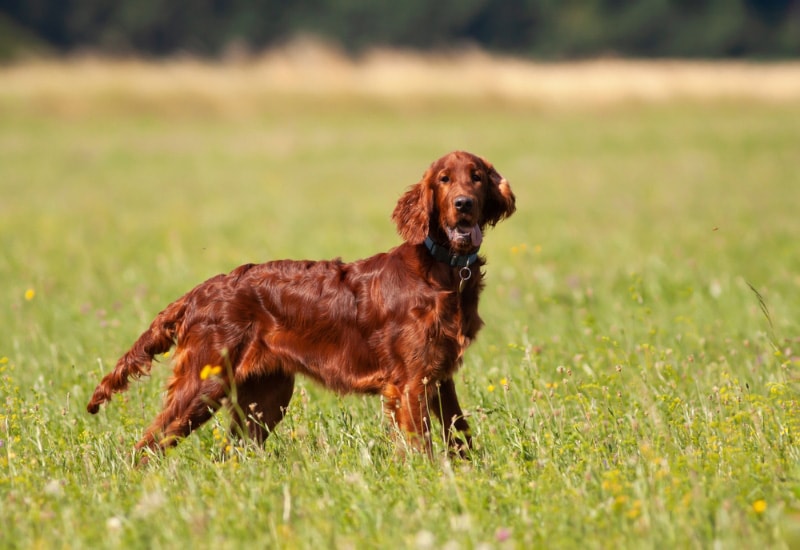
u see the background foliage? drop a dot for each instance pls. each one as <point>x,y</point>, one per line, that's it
<point>552,29</point>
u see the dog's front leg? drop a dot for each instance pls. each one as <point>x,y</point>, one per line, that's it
<point>408,408</point>
<point>445,406</point>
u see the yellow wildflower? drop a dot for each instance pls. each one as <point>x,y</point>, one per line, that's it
<point>29,294</point>
<point>210,371</point>
<point>490,387</point>
<point>760,506</point>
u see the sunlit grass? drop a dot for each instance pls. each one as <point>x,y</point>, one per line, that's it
<point>628,388</point>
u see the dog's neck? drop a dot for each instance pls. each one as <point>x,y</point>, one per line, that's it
<point>444,255</point>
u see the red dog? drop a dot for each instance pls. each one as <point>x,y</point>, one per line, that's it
<point>395,324</point>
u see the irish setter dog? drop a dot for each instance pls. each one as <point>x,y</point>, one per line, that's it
<point>395,324</point>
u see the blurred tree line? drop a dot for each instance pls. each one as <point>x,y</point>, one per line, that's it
<point>547,29</point>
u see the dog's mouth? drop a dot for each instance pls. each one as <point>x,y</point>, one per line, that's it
<point>465,236</point>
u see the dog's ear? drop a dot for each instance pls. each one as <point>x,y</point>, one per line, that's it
<point>500,200</point>
<point>414,209</point>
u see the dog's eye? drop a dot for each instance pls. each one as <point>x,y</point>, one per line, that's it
<point>444,179</point>
<point>476,177</point>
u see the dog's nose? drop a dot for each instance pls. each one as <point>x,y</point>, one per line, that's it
<point>463,204</point>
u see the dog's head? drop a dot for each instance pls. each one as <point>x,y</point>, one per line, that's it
<point>456,199</point>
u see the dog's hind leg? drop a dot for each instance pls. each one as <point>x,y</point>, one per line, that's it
<point>193,396</point>
<point>261,402</point>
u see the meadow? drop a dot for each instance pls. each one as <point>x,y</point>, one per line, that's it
<point>637,383</point>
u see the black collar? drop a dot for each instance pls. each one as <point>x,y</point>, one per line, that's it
<point>444,255</point>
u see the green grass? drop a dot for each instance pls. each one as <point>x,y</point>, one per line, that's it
<point>628,389</point>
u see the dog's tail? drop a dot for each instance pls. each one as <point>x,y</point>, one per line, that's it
<point>159,338</point>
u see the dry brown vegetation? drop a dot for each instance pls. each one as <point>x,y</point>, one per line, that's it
<point>306,69</point>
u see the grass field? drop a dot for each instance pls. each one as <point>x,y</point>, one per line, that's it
<point>637,384</point>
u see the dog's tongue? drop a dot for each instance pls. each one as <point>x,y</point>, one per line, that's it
<point>476,236</point>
